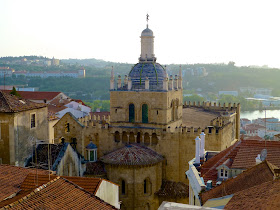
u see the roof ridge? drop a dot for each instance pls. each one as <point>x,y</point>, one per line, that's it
<point>85,191</point>
<point>6,100</point>
<point>34,192</point>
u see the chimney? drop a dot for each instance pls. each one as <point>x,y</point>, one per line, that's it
<point>202,146</point>
<point>197,148</point>
<point>258,159</point>
<point>209,185</point>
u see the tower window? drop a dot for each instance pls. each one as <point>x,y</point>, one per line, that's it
<point>147,186</point>
<point>145,117</point>
<point>123,187</point>
<point>131,113</point>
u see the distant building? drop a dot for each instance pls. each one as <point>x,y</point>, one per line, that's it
<point>233,93</point>
<point>6,72</point>
<point>55,62</point>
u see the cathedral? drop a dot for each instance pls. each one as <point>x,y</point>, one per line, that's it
<point>145,143</point>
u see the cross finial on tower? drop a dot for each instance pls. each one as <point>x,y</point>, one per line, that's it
<point>147,19</point>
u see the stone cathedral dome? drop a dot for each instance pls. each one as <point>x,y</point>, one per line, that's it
<point>153,71</point>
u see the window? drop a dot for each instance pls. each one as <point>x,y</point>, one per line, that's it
<point>145,186</point>
<point>226,173</point>
<point>145,118</point>
<point>131,113</point>
<point>123,187</point>
<point>67,127</point>
<point>33,119</point>
<point>223,173</point>
<point>92,155</point>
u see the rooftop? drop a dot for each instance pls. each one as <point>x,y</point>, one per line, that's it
<point>32,181</point>
<point>172,189</point>
<point>132,154</point>
<point>38,95</point>
<point>60,194</point>
<point>263,196</point>
<point>198,117</point>
<point>10,103</point>
<point>242,155</point>
<point>11,178</point>
<point>256,175</point>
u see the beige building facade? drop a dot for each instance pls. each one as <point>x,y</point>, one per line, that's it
<point>22,122</point>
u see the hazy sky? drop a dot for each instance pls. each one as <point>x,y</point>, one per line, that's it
<point>187,31</point>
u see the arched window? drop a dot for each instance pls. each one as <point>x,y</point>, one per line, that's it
<point>123,187</point>
<point>145,117</point>
<point>117,136</point>
<point>131,113</point>
<point>172,110</point>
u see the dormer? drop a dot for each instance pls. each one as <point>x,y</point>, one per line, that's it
<point>91,151</point>
<point>224,171</point>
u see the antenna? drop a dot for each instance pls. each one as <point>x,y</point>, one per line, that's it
<point>263,154</point>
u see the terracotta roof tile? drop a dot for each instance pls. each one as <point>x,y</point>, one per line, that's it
<point>242,155</point>
<point>89,184</point>
<point>132,154</point>
<point>11,103</point>
<point>38,95</point>
<point>60,194</point>
<point>11,178</point>
<point>173,189</point>
<point>95,168</point>
<point>256,175</point>
<point>263,196</point>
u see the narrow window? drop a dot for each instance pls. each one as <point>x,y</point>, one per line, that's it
<point>33,121</point>
<point>226,173</point>
<point>131,113</point>
<point>145,118</point>
<point>222,172</point>
<point>145,186</point>
<point>116,110</point>
<point>123,187</point>
<point>91,155</point>
<point>67,127</point>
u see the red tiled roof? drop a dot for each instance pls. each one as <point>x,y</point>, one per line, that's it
<point>256,175</point>
<point>89,184</point>
<point>132,154</point>
<point>242,155</point>
<point>11,178</point>
<point>95,168</point>
<point>60,194</point>
<point>11,103</point>
<point>173,189</point>
<point>263,196</point>
<point>38,95</point>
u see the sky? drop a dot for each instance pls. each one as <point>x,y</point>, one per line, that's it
<point>186,31</point>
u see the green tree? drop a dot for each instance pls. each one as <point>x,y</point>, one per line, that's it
<point>14,92</point>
